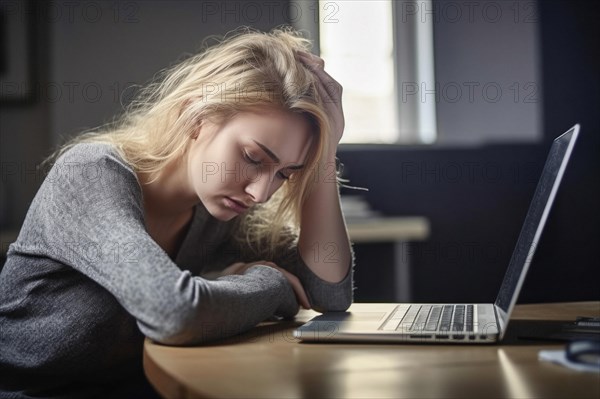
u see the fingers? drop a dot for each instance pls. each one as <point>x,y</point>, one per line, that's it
<point>297,287</point>
<point>329,88</point>
<point>241,267</point>
<point>234,268</point>
<point>311,59</point>
<point>262,262</point>
<point>326,93</point>
<point>332,87</point>
<point>292,279</point>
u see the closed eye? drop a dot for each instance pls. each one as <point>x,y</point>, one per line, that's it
<point>283,176</point>
<point>252,161</point>
<point>249,159</point>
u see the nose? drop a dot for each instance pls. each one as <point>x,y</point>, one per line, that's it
<point>258,189</point>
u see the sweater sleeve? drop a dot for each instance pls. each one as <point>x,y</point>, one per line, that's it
<point>88,215</point>
<point>323,295</point>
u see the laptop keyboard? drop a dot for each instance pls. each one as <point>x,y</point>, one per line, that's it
<point>444,318</point>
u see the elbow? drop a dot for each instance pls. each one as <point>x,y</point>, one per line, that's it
<point>336,307</point>
<point>182,332</point>
<point>169,329</point>
<point>334,297</point>
<point>180,319</point>
<point>334,302</point>
<point>165,336</point>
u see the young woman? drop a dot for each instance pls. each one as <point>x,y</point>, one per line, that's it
<point>211,205</point>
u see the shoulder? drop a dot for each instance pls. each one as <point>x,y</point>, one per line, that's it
<point>90,153</point>
<point>91,159</point>
<point>92,166</point>
<point>89,186</point>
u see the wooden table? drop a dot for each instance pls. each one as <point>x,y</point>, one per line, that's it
<point>267,362</point>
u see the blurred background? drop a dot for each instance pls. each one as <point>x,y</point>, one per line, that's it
<point>451,107</point>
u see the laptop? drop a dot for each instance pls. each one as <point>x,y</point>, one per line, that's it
<point>453,323</point>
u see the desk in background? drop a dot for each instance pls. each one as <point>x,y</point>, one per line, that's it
<point>267,362</point>
<point>400,231</point>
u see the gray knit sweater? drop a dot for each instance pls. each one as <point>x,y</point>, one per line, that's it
<point>84,283</point>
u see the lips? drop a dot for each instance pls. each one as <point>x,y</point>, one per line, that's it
<point>236,205</point>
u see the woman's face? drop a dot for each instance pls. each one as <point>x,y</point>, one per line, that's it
<point>243,162</point>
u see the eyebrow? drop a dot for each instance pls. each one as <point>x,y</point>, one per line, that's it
<point>274,157</point>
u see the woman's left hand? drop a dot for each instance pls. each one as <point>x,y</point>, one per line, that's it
<point>241,267</point>
<point>331,93</point>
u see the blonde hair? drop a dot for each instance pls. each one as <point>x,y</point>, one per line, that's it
<point>244,71</point>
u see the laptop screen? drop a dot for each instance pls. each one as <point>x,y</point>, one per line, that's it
<point>535,220</point>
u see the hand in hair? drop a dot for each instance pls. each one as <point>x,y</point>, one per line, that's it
<point>331,93</point>
<point>241,267</point>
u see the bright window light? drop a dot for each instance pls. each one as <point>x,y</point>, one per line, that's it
<point>356,42</point>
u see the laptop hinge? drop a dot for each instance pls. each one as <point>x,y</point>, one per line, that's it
<point>501,320</point>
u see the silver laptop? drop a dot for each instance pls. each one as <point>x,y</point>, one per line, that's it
<point>453,323</point>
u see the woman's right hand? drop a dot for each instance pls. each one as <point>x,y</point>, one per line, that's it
<point>241,267</point>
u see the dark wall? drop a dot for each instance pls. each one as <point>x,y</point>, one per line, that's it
<point>476,198</point>
<point>571,80</point>
<point>24,121</point>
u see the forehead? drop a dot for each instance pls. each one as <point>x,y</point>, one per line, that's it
<point>287,134</point>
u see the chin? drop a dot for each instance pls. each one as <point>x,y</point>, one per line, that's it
<point>225,218</point>
<point>219,213</point>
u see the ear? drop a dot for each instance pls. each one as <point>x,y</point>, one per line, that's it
<point>197,122</point>
<point>197,129</point>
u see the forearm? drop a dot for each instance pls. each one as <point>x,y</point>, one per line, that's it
<point>323,243</point>
<point>201,311</point>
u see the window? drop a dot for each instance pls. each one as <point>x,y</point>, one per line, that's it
<point>361,41</point>
<point>431,71</point>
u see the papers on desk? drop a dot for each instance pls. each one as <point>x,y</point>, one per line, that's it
<point>560,357</point>
<point>356,208</point>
